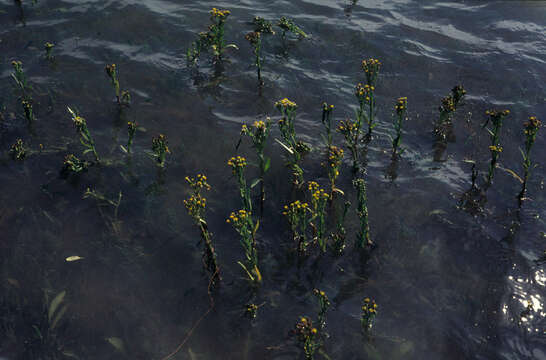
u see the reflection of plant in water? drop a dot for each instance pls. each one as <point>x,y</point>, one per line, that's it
<point>369,311</point>
<point>324,304</point>
<point>319,199</point>
<point>338,237</point>
<point>213,39</point>
<point>363,237</point>
<point>298,216</point>
<point>326,121</point>
<point>496,118</point>
<point>123,96</point>
<point>238,165</point>
<point>400,108</point>
<point>85,136</point>
<point>243,224</point>
<point>195,205</point>
<point>18,150</point>
<point>531,130</point>
<point>288,25</point>
<point>160,149</point>
<point>308,337</point>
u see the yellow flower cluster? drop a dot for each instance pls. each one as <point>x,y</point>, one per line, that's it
<point>259,125</point>
<point>364,91</point>
<point>448,105</point>
<point>219,13</point>
<point>239,217</point>
<point>199,182</point>
<point>318,194</point>
<point>335,155</point>
<point>237,162</point>
<point>532,126</point>
<point>371,65</point>
<point>401,105</point>
<point>295,207</point>
<point>495,148</point>
<point>285,103</point>
<point>369,306</point>
<point>313,186</point>
<point>497,113</point>
<point>195,206</point>
<point>347,127</point>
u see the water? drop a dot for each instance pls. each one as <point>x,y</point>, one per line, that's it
<point>451,283</point>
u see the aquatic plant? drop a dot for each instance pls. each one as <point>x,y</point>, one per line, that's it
<point>258,133</point>
<point>400,109</point>
<point>288,25</point>
<point>85,136</point>
<point>371,69</point>
<point>238,165</point>
<point>255,39</point>
<point>333,165</point>
<point>251,310</point>
<point>369,312</point>
<point>363,236</point>
<point>21,80</point>
<point>298,215</point>
<point>195,205</point>
<point>319,199</point>
<point>212,39</point>
<point>18,150</point>
<point>102,200</point>
<point>123,97</point>
<point>326,121</point>
<point>263,26</point>
<point>496,118</point>
<point>531,128</point>
<point>28,110</point>
<point>350,131</point>
<point>160,149</point>
<point>324,305</point>
<point>338,237</point>
<point>243,224</point>
<point>365,95</point>
<point>447,108</point>
<point>308,337</point>
<point>131,131</point>
<point>74,165</point>
<point>48,47</point>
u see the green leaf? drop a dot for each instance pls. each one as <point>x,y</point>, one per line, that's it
<point>58,317</point>
<point>55,304</point>
<point>117,343</point>
<point>87,150</point>
<point>38,332</point>
<point>123,149</point>
<point>267,164</point>
<point>255,182</point>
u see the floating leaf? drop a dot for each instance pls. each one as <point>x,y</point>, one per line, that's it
<point>55,304</point>
<point>74,258</point>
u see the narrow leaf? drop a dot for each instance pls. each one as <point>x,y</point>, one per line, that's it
<point>55,304</point>
<point>117,343</point>
<point>58,317</point>
<point>255,182</point>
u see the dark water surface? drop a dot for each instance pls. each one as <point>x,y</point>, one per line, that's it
<point>450,282</point>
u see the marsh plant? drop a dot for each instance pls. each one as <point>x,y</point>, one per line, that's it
<point>400,109</point>
<point>333,165</point>
<point>324,305</point>
<point>339,236</point>
<point>327,110</point>
<point>255,40</point>
<point>307,336</point>
<point>24,89</point>
<point>238,165</point>
<point>85,136</point>
<point>350,131</point>
<point>295,148</point>
<point>369,312</point>
<point>18,150</point>
<point>73,165</point>
<point>213,39</point>
<point>258,133</point>
<point>371,69</point>
<point>195,205</point>
<point>365,95</point>
<point>319,200</point>
<point>160,149</point>
<point>242,222</point>
<point>447,109</point>
<point>288,25</point>
<point>531,128</point>
<point>251,310</point>
<point>298,215</point>
<point>102,201</point>
<point>123,97</point>
<point>263,26</point>
<point>363,236</point>
<point>48,47</point>
<point>132,127</point>
<point>495,117</point>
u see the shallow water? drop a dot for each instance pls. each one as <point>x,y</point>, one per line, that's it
<point>451,283</point>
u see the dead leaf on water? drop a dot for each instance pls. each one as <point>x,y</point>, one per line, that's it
<point>74,258</point>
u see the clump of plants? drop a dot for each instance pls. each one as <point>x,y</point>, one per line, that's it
<point>363,236</point>
<point>213,39</point>
<point>195,205</point>
<point>288,25</point>
<point>339,236</point>
<point>350,131</point>
<point>85,136</point>
<point>123,97</point>
<point>447,109</point>
<point>258,133</point>
<point>18,150</point>
<point>73,165</point>
<point>242,222</point>
<point>369,312</point>
<point>319,200</point>
<point>298,215</point>
<point>531,128</point>
<point>495,117</point>
<point>160,149</point>
<point>307,336</point>
<point>400,108</point>
<point>238,165</point>
<point>327,122</point>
